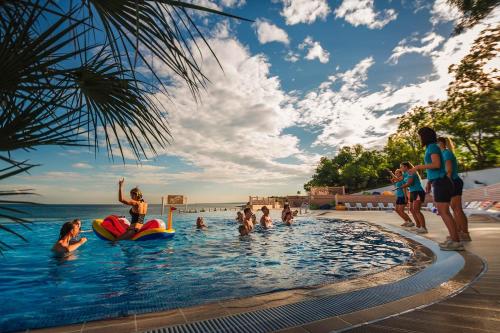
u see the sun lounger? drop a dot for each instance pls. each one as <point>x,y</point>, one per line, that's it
<point>360,206</point>
<point>390,205</point>
<point>485,208</point>
<point>349,207</point>
<point>381,206</point>
<point>429,206</point>
<point>371,207</point>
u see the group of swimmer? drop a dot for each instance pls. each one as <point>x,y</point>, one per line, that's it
<point>69,241</point>
<point>442,176</point>
<point>248,220</point>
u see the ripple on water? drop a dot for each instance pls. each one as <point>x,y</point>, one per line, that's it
<point>105,280</point>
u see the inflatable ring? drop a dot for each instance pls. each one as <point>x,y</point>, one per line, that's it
<point>112,227</point>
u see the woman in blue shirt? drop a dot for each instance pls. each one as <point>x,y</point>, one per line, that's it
<point>451,167</point>
<point>417,195</point>
<point>442,185</point>
<point>398,181</point>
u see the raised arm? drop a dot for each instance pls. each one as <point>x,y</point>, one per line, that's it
<point>71,247</point>
<point>121,197</point>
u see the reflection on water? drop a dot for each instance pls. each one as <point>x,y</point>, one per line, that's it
<point>104,279</point>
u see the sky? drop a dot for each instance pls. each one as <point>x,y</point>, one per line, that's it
<point>304,79</point>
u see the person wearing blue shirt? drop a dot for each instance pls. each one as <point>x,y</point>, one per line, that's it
<point>442,185</point>
<point>401,202</point>
<point>417,195</point>
<point>451,167</point>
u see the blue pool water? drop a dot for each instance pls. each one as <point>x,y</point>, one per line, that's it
<point>103,279</point>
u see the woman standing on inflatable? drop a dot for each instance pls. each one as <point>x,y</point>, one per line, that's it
<point>137,212</point>
<point>442,185</point>
<point>456,197</point>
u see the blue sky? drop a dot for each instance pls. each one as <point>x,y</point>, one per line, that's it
<point>308,77</point>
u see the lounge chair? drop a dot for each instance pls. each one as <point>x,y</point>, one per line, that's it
<point>390,205</point>
<point>371,207</point>
<point>349,207</point>
<point>360,206</point>
<point>381,206</point>
<point>429,206</point>
<point>485,208</point>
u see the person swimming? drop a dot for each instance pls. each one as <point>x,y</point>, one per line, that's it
<point>68,231</point>
<point>200,223</point>
<point>247,225</point>
<point>286,209</point>
<point>265,221</point>
<point>137,212</point>
<point>239,217</point>
<point>288,218</point>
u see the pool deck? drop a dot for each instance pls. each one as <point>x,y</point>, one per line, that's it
<point>453,306</point>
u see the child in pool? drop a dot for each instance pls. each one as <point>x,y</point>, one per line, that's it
<point>247,225</point>
<point>265,220</point>
<point>200,223</point>
<point>239,217</point>
<point>288,218</point>
<point>69,230</point>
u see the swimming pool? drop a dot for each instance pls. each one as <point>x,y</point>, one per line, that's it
<point>103,280</point>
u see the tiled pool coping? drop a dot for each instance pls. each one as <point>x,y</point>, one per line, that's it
<point>336,306</point>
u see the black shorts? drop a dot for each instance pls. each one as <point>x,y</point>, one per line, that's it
<point>417,194</point>
<point>458,186</point>
<point>442,189</point>
<point>401,201</point>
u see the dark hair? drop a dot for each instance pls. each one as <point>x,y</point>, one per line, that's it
<point>407,164</point>
<point>427,136</point>
<point>66,229</point>
<point>264,207</point>
<point>286,206</point>
<point>246,210</point>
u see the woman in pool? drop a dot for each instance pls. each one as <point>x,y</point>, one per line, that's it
<point>442,185</point>
<point>417,195</point>
<point>69,230</point>
<point>137,212</point>
<point>265,220</point>
<point>451,167</point>
<point>288,218</point>
<point>239,217</point>
<point>247,225</point>
<point>286,209</point>
<point>200,223</point>
<point>401,202</point>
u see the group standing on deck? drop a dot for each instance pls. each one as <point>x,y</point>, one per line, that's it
<point>441,166</point>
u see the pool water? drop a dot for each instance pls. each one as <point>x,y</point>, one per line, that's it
<point>103,280</point>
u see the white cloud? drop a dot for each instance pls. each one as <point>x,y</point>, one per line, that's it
<point>443,12</point>
<point>233,3</point>
<point>292,56</point>
<point>428,44</point>
<point>82,166</point>
<point>236,134</point>
<point>351,114</point>
<point>362,12</point>
<point>304,11</point>
<point>268,32</point>
<point>314,50</point>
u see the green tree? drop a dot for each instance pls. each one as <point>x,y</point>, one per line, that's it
<point>472,12</point>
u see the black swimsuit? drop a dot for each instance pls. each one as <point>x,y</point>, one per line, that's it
<point>136,218</point>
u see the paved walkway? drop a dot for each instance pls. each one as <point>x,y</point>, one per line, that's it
<point>476,309</point>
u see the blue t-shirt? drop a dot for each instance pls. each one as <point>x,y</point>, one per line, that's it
<point>449,156</point>
<point>400,193</point>
<point>416,185</point>
<point>433,174</point>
